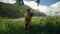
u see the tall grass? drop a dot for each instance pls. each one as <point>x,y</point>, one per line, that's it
<point>40,25</point>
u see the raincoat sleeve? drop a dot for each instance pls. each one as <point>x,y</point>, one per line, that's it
<point>24,18</point>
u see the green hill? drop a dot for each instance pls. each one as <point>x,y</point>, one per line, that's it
<point>15,11</point>
<point>12,10</point>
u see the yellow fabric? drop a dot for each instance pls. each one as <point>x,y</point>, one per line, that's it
<point>27,17</point>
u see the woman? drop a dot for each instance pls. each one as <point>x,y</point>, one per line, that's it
<point>28,19</point>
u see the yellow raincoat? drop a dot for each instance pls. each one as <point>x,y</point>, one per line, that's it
<point>26,16</point>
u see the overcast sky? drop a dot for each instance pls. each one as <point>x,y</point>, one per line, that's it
<point>49,7</point>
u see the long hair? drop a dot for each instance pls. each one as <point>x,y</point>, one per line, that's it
<point>28,11</point>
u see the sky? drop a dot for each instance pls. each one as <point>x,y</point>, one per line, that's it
<point>49,7</point>
<point>48,2</point>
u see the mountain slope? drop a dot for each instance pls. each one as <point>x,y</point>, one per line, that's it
<point>14,10</point>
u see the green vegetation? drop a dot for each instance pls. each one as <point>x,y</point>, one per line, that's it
<point>15,11</point>
<point>40,25</point>
<point>12,10</point>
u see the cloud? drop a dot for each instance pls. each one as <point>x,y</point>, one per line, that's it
<point>48,10</point>
<point>34,6</point>
<point>8,1</point>
<point>55,8</point>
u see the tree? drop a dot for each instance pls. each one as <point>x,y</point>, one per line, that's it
<point>20,2</point>
<point>38,2</point>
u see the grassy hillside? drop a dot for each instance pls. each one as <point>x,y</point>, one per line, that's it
<point>14,10</point>
<point>41,25</point>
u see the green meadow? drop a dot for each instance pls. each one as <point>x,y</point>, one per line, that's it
<point>40,25</point>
